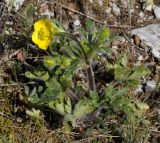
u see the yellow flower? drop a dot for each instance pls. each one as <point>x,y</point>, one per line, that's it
<point>43,33</point>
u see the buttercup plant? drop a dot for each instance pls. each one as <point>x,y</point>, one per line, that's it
<point>65,56</point>
<point>61,67</point>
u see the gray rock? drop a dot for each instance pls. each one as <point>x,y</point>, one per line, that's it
<point>116,9</point>
<point>16,3</point>
<point>150,35</point>
<point>156,10</point>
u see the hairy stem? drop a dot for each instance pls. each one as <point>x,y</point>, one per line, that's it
<point>90,76</point>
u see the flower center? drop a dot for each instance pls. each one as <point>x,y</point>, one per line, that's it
<point>42,34</point>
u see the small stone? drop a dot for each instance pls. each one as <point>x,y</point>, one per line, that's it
<point>43,8</point>
<point>77,23</point>
<point>115,47</point>
<point>150,18</point>
<point>150,85</point>
<point>141,15</point>
<point>140,58</point>
<point>108,10</point>
<point>122,40</point>
<point>20,56</point>
<point>100,2</point>
<point>156,10</point>
<point>139,90</point>
<point>111,19</point>
<point>109,4</point>
<point>137,40</point>
<point>124,3</point>
<point>91,1</point>
<point>139,21</point>
<point>71,6</point>
<point>150,37</point>
<point>116,10</point>
<point>17,4</point>
<point>116,43</point>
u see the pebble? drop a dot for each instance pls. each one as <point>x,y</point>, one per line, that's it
<point>16,3</point>
<point>124,3</point>
<point>150,17</point>
<point>111,19</point>
<point>116,43</point>
<point>141,15</point>
<point>115,47</point>
<point>71,6</point>
<point>140,58</point>
<point>77,23</point>
<point>137,40</point>
<point>150,34</point>
<point>116,10</point>
<point>156,10</point>
<point>44,10</point>
<point>43,7</point>
<point>122,40</point>
<point>108,10</point>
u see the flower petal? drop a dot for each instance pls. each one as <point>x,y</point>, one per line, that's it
<point>44,45</point>
<point>39,24</point>
<point>43,34</point>
<point>35,38</point>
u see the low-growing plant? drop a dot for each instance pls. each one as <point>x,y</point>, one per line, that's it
<point>65,55</point>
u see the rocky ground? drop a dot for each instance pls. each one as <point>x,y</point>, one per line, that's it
<point>136,22</point>
<point>124,18</point>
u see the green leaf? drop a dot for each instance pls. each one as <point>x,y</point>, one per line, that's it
<point>37,74</point>
<point>49,62</point>
<point>65,62</point>
<point>30,10</point>
<point>57,105</point>
<point>68,106</point>
<point>94,95</point>
<point>105,33</point>
<point>34,114</point>
<point>40,89</point>
<point>120,73</point>
<point>124,60</point>
<point>138,72</point>
<point>108,92</point>
<point>62,104</point>
<point>132,83</point>
<point>90,25</point>
<point>34,99</point>
<point>95,98</point>
<point>82,108</point>
<point>26,90</point>
<point>57,26</point>
<point>83,33</point>
<point>53,89</point>
<point>113,37</point>
<point>102,36</point>
<point>142,106</point>
<point>33,91</point>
